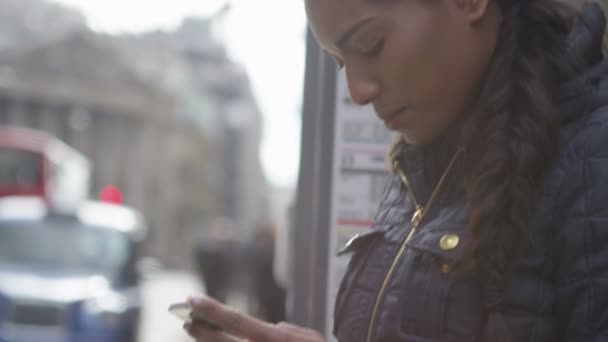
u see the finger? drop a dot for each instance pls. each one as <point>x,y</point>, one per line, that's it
<point>202,333</point>
<point>293,328</point>
<point>297,333</point>
<point>233,321</point>
<point>194,317</point>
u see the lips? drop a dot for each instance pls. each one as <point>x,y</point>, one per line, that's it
<point>391,120</point>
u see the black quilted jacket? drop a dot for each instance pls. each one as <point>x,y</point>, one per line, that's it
<point>560,287</point>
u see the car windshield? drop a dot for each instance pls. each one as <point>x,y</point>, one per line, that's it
<point>64,246</point>
<point>18,168</point>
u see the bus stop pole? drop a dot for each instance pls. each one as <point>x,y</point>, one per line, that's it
<point>309,243</point>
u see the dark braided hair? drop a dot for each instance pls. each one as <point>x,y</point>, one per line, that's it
<point>511,138</point>
<point>516,142</point>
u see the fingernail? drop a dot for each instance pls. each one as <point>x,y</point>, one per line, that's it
<point>194,301</point>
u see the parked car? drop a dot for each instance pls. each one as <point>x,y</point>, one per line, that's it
<point>69,277</point>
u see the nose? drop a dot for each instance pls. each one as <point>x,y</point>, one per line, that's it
<point>362,87</point>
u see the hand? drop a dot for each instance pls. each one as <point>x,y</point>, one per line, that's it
<point>239,327</point>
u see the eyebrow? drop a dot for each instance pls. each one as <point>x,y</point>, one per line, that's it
<point>348,34</point>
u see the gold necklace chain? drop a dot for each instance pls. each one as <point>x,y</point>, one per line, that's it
<point>417,218</point>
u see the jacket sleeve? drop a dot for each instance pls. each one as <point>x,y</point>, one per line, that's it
<point>581,248</point>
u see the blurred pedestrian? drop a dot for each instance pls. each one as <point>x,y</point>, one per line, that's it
<point>268,294</point>
<point>494,224</point>
<point>214,256</point>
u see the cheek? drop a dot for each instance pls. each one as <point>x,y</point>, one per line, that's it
<point>434,72</point>
<point>414,58</point>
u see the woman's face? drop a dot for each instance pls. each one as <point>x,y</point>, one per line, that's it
<point>419,62</point>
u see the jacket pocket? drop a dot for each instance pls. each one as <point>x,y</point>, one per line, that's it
<point>359,247</point>
<point>438,297</point>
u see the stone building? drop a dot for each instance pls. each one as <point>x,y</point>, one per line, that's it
<point>214,94</point>
<point>83,90</point>
<point>164,116</point>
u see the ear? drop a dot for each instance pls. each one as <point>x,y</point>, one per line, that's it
<point>474,10</point>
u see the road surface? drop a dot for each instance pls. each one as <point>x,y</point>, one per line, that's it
<point>160,288</point>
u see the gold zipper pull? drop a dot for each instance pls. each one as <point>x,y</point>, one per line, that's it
<point>416,219</point>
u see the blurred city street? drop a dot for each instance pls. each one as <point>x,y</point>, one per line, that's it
<point>160,288</point>
<point>128,147</point>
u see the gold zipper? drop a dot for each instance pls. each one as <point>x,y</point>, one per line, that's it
<point>417,218</point>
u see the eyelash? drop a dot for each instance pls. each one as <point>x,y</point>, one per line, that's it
<point>375,50</point>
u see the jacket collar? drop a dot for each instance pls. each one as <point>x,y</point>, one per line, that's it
<point>589,90</point>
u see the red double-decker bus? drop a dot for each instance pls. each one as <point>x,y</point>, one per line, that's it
<point>34,163</point>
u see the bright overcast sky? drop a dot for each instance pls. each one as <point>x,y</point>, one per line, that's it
<point>267,36</point>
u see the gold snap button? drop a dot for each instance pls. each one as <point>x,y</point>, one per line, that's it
<point>445,268</point>
<point>449,241</point>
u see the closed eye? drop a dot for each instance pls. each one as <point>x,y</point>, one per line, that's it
<point>374,50</point>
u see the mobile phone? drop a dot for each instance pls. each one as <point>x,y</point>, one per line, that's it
<point>183,311</point>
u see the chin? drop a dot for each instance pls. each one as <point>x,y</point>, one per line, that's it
<point>414,139</point>
<point>418,138</point>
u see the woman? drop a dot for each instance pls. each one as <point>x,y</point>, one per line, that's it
<point>494,225</point>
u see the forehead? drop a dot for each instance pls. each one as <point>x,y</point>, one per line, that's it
<point>329,19</point>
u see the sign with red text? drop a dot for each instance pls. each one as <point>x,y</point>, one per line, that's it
<point>359,173</point>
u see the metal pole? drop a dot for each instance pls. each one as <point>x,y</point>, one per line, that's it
<point>310,234</point>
